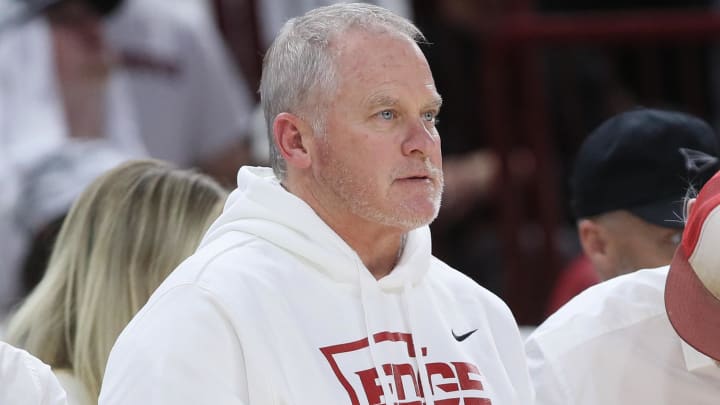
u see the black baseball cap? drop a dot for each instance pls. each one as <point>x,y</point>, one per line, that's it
<point>644,161</point>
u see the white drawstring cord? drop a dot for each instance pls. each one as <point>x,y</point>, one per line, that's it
<point>419,360</point>
<point>371,339</point>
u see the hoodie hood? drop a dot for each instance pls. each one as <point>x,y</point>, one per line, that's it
<point>260,206</point>
<point>286,313</point>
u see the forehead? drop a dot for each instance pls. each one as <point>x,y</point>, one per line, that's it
<point>378,57</point>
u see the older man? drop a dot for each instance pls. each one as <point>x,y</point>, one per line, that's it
<point>317,285</point>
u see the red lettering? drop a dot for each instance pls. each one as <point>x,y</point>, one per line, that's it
<point>421,393</point>
<point>371,385</point>
<point>398,371</point>
<point>476,401</point>
<point>463,373</point>
<point>450,401</point>
<point>402,379</point>
<point>446,372</point>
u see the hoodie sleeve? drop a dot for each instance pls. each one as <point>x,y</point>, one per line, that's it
<point>179,349</point>
<point>24,379</point>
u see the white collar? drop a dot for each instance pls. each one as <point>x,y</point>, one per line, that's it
<point>694,360</point>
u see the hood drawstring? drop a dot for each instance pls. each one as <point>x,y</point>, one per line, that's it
<point>419,360</point>
<point>389,399</point>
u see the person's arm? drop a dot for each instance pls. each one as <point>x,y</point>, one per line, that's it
<point>180,349</point>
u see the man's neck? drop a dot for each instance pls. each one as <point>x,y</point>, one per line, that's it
<point>380,251</point>
<point>380,265</point>
<point>378,246</point>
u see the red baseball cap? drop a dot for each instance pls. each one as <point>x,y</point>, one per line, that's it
<point>693,309</point>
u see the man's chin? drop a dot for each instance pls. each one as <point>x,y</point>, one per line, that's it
<point>420,219</point>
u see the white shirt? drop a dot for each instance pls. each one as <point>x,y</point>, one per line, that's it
<point>275,308</point>
<point>25,380</point>
<point>189,101</point>
<point>614,344</point>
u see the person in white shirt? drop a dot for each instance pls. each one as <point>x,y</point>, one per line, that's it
<point>123,235</point>
<point>25,380</point>
<point>648,337</point>
<point>317,284</point>
<point>191,106</point>
<point>66,118</point>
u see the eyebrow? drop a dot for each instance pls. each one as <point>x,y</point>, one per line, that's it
<point>435,103</point>
<point>383,100</point>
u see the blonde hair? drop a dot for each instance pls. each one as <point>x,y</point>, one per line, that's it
<point>125,233</point>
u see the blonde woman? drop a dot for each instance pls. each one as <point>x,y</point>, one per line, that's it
<point>126,232</point>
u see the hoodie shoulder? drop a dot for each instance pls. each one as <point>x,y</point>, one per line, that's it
<point>235,262</point>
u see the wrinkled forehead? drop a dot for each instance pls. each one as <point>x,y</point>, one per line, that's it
<point>358,50</point>
<point>343,40</point>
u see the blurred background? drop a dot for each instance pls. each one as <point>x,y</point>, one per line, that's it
<point>523,83</point>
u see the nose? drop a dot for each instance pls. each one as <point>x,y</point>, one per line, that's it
<point>420,139</point>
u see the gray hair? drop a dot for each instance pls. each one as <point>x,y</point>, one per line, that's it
<point>299,72</point>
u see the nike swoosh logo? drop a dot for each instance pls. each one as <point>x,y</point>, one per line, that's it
<point>464,336</point>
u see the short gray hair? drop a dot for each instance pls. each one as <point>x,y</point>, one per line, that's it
<point>299,71</point>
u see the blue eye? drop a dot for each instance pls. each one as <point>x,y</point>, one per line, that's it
<point>430,117</point>
<point>387,114</point>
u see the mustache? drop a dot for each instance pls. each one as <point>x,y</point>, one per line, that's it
<point>435,172</point>
<point>428,169</point>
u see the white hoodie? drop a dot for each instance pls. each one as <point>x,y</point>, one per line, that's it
<point>275,308</point>
<point>25,380</point>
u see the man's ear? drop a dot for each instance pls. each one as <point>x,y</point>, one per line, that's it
<point>291,132</point>
<point>593,239</point>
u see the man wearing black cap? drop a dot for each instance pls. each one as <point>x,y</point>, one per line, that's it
<point>627,188</point>
<point>614,343</point>
<point>628,184</point>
